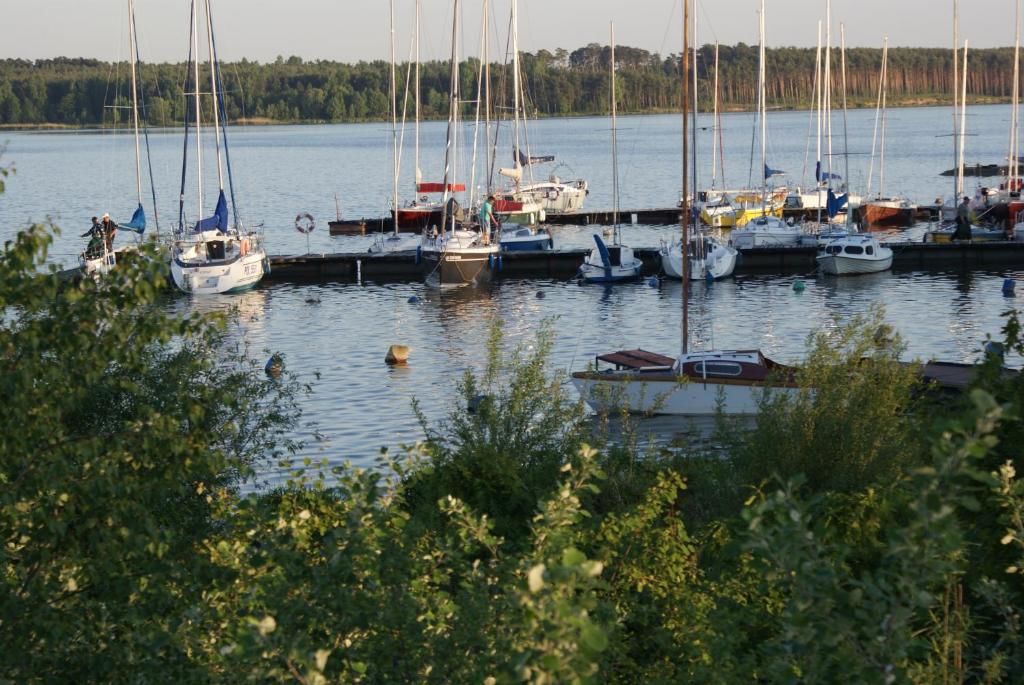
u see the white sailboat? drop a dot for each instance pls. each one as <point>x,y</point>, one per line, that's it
<point>694,383</point>
<point>459,253</point>
<point>529,200</point>
<point>616,262</point>
<point>99,260</point>
<point>212,256</point>
<point>767,229</point>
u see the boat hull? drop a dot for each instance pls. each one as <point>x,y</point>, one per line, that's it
<point>420,217</point>
<point>887,214</point>
<point>217,278</point>
<point>840,265</point>
<point>667,394</point>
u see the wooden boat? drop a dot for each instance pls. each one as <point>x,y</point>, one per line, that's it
<point>889,211</point>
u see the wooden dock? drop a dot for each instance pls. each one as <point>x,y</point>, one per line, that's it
<point>402,266</point>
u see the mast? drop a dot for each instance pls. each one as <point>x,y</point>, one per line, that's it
<point>956,94</point>
<point>716,131</point>
<point>1012,165</point>
<point>135,97</point>
<point>685,216</point>
<point>885,87</point>
<point>878,119</point>
<point>394,123</point>
<point>195,76</point>
<point>846,142</point>
<point>693,134</point>
<point>762,110</point>
<point>453,107</point>
<point>818,102</point>
<point>215,94</point>
<point>516,103</point>
<point>615,142</point>
<point>417,173</point>
<point>827,94</point>
<point>963,130</point>
<point>480,86</point>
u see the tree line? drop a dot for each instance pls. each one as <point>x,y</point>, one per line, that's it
<point>89,92</point>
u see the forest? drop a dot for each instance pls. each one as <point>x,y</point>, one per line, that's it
<point>87,92</point>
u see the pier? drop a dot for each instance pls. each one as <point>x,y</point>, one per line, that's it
<point>402,266</point>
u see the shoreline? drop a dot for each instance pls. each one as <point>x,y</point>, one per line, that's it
<point>922,101</point>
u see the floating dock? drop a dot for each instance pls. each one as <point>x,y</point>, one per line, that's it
<point>402,266</point>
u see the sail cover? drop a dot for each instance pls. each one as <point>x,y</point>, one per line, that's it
<point>440,187</point>
<point>769,172</point>
<point>138,222</point>
<point>834,203</point>
<point>218,221</point>
<point>820,175</point>
<point>525,160</point>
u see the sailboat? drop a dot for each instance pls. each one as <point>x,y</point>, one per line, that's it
<point>100,261</point>
<point>766,228</point>
<point>212,256</point>
<point>616,262</point>
<point>709,259</point>
<point>459,253</point>
<point>531,200</point>
<point>694,383</point>
<point>395,241</point>
<point>881,210</point>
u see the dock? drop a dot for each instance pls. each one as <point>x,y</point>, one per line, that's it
<point>402,266</point>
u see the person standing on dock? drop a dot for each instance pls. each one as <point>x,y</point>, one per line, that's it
<point>487,218</point>
<point>963,221</point>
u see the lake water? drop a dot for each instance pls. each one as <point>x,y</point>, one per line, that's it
<point>342,331</point>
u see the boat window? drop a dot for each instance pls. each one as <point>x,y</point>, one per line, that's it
<point>854,249</point>
<point>834,249</point>
<point>869,250</point>
<point>718,368</point>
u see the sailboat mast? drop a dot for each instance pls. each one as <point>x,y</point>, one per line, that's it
<point>480,86</point>
<point>416,171</point>
<point>135,97</point>
<point>453,106</point>
<point>846,141</point>
<point>216,95</point>
<point>885,87</point>
<point>195,77</point>
<point>684,218</point>
<point>715,132</point>
<point>693,133</point>
<point>956,97</point>
<point>615,141</point>
<point>394,123</point>
<point>515,84</point>
<point>818,99</point>
<point>828,88</point>
<point>963,129</point>
<point>762,108</point>
<point>1012,164</point>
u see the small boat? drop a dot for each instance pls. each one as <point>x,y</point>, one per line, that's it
<point>710,259</point>
<point>856,253</point>
<point>211,256</point>
<point>694,384</point>
<point>767,231</point>
<point>610,263</point>
<point>520,237</point>
<point>985,234</point>
<point>888,211</point>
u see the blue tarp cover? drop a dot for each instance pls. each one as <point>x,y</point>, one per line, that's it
<point>835,203</point>
<point>527,161</point>
<point>219,220</point>
<point>820,175</point>
<point>138,222</point>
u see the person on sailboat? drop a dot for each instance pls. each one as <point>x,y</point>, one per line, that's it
<point>487,219</point>
<point>109,231</point>
<point>963,221</point>
<point>96,239</point>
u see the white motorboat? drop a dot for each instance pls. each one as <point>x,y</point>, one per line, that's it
<point>856,253</point>
<point>767,231</point>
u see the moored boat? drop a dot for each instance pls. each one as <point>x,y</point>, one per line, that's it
<point>856,253</point>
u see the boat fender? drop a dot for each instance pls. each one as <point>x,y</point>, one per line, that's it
<point>243,246</point>
<point>709,277</point>
<point>419,254</point>
<point>500,262</point>
<point>413,299</point>
<point>1008,286</point>
<point>304,223</point>
<point>490,261</point>
<point>653,281</point>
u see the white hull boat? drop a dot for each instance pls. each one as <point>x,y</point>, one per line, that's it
<point>710,260</point>
<point>767,231</point>
<point>610,264</point>
<point>457,258</point>
<point>854,254</point>
<point>695,384</point>
<point>215,263</point>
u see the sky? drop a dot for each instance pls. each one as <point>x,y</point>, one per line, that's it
<point>355,30</point>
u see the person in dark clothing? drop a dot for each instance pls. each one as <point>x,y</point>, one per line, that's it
<point>109,231</point>
<point>963,221</point>
<point>96,240</point>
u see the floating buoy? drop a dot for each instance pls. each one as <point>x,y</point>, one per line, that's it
<point>1008,286</point>
<point>274,366</point>
<point>397,354</point>
<point>709,278</point>
<point>414,300</point>
<point>653,281</point>
<point>540,295</point>
<point>799,285</point>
